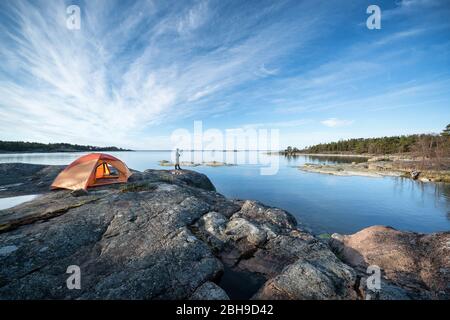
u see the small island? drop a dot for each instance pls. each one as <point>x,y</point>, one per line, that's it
<point>424,157</point>
<point>166,163</point>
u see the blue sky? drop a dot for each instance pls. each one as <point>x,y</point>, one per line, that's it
<point>138,70</point>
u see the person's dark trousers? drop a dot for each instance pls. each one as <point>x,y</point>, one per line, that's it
<point>177,167</point>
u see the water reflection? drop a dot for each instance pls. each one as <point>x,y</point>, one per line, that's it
<point>442,191</point>
<point>57,158</point>
<point>291,158</point>
<point>329,159</point>
<point>423,192</point>
<point>6,203</point>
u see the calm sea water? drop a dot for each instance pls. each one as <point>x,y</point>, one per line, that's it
<point>325,203</point>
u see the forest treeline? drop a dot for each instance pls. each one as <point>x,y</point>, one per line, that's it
<point>429,145</point>
<point>384,145</point>
<point>21,146</point>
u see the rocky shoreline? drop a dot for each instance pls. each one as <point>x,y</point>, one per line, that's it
<point>172,236</point>
<point>166,163</point>
<point>379,167</point>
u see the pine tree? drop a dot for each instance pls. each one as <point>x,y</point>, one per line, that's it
<point>446,131</point>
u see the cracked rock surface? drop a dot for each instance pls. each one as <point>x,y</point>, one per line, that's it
<point>165,236</point>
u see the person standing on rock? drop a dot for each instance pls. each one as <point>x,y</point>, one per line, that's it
<point>177,159</point>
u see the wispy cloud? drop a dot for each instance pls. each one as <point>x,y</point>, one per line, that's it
<point>408,7</point>
<point>334,122</point>
<point>266,72</point>
<point>399,36</point>
<point>128,68</point>
<point>136,69</point>
<point>278,124</point>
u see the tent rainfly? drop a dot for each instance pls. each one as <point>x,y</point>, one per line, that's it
<point>94,169</point>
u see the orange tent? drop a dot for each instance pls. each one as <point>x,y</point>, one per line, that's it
<point>94,169</point>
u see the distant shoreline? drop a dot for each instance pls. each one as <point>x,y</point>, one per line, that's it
<point>38,147</point>
<point>169,150</point>
<point>340,155</point>
<point>350,155</point>
<point>60,151</point>
<point>390,168</point>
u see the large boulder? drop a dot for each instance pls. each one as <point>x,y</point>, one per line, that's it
<point>22,178</point>
<point>259,240</point>
<point>418,263</point>
<point>209,291</point>
<point>130,241</point>
<point>306,280</point>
